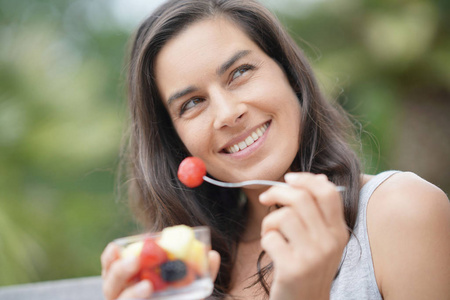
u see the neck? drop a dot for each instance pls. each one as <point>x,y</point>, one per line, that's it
<point>256,213</point>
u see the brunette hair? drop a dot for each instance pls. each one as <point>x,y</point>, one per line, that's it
<point>157,197</point>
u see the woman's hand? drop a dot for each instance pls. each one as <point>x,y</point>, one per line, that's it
<point>305,238</point>
<point>118,274</point>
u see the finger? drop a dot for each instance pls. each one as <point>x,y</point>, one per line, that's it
<point>300,200</point>
<point>288,223</point>
<point>118,276</point>
<point>109,255</point>
<point>214,263</point>
<point>327,197</point>
<point>275,246</point>
<point>141,290</point>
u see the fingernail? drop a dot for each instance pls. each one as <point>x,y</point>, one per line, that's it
<point>142,289</point>
<point>262,197</point>
<point>290,177</point>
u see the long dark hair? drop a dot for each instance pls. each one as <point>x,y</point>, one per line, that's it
<point>157,197</point>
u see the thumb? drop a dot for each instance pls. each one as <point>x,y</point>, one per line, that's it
<point>214,263</point>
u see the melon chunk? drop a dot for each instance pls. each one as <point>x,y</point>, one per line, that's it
<point>177,240</point>
<point>198,257</point>
<point>132,250</point>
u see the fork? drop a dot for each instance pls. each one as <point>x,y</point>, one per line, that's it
<point>253,182</point>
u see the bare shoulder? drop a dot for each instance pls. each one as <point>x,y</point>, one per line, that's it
<point>408,197</point>
<point>408,222</point>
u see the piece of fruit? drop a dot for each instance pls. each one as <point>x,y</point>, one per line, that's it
<point>177,240</point>
<point>197,257</point>
<point>151,274</point>
<point>152,254</point>
<point>173,270</point>
<point>132,250</point>
<point>188,279</point>
<point>191,171</point>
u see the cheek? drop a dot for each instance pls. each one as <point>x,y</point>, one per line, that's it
<point>276,93</point>
<point>296,110</point>
<point>289,102</point>
<point>282,101</point>
<point>192,137</point>
<point>295,118</point>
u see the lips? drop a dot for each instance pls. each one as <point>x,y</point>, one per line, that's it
<point>254,136</point>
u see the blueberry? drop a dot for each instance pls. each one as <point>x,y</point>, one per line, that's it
<point>173,270</point>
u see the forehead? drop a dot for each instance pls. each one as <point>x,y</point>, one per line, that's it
<point>201,47</point>
<point>202,37</point>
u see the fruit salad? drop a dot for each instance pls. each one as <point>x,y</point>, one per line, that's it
<point>174,260</point>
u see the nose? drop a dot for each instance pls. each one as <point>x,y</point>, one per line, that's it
<point>229,110</point>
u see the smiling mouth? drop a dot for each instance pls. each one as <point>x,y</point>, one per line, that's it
<point>253,137</point>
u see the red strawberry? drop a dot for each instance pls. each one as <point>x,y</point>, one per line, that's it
<point>191,171</point>
<point>158,283</point>
<point>152,255</point>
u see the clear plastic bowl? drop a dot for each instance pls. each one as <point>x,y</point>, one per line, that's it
<point>193,252</point>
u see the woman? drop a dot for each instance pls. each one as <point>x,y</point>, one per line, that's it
<point>221,80</point>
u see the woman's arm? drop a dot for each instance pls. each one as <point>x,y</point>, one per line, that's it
<point>409,231</point>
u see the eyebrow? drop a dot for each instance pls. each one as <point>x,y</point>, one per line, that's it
<point>181,93</point>
<point>226,65</point>
<point>220,71</point>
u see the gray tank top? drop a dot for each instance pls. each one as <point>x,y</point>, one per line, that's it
<point>356,279</point>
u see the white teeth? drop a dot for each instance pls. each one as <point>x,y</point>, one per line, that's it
<point>249,140</point>
<point>259,132</point>
<point>242,145</point>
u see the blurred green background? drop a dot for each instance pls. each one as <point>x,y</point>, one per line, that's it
<point>62,111</point>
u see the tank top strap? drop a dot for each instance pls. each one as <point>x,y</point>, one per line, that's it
<point>367,190</point>
<point>356,279</point>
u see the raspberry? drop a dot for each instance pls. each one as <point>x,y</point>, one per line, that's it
<point>173,270</point>
<point>191,171</point>
<point>152,254</point>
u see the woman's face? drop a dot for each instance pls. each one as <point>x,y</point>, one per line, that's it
<point>230,103</point>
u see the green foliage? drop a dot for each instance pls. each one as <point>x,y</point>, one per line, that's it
<point>61,121</point>
<point>386,63</point>
<point>62,113</point>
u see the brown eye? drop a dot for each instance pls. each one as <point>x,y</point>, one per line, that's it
<point>241,71</point>
<point>190,104</point>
